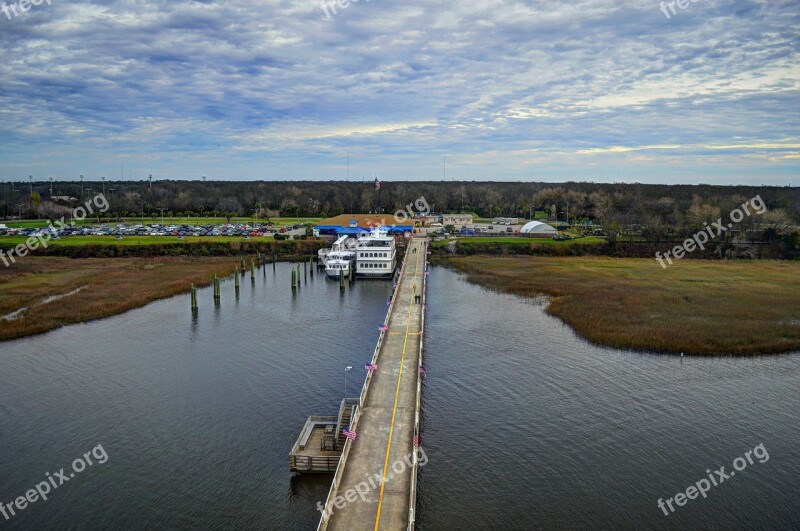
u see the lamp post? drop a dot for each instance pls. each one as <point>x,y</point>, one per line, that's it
<point>104,185</point>
<point>51,188</point>
<point>346,370</point>
<point>30,179</point>
<point>81,187</point>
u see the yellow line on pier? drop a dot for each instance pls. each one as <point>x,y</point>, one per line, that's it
<point>394,409</point>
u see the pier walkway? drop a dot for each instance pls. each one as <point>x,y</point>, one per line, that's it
<point>375,483</point>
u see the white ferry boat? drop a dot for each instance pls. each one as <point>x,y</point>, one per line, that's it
<point>339,258</point>
<point>376,256</point>
<point>339,262</point>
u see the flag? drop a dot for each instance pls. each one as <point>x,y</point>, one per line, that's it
<point>377,184</point>
<point>351,435</point>
<point>370,367</point>
<point>347,369</point>
<point>384,328</point>
<point>422,372</point>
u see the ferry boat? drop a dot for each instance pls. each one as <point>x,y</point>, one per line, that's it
<point>339,262</point>
<point>376,256</point>
<point>339,258</point>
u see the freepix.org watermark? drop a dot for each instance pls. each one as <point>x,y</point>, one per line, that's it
<point>669,7</point>
<point>47,234</point>
<point>373,482</point>
<point>18,8</point>
<point>329,6</point>
<point>715,479</point>
<point>43,489</point>
<point>701,238</point>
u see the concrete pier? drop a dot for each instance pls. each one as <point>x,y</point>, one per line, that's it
<point>381,464</point>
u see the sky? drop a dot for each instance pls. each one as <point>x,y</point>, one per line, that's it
<point>584,90</point>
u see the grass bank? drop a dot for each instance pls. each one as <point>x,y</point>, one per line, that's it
<point>109,247</point>
<point>54,292</point>
<point>695,306</point>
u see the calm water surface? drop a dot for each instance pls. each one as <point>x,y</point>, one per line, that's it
<point>526,426</point>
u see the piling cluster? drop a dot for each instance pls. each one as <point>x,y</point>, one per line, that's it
<point>261,260</point>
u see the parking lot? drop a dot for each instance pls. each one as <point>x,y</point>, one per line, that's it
<point>243,230</point>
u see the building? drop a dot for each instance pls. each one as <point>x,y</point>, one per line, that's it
<point>356,224</point>
<point>537,229</point>
<point>459,221</point>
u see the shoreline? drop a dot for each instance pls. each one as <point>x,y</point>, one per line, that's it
<point>695,308</point>
<point>42,294</point>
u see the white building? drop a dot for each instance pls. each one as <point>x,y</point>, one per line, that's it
<point>537,228</point>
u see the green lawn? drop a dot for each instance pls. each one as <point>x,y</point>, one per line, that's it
<point>30,224</point>
<point>6,242</point>
<point>524,241</point>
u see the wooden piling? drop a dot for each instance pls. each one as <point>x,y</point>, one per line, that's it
<point>236,280</point>
<point>194,298</point>
<point>252,269</point>
<point>294,274</point>
<point>216,289</point>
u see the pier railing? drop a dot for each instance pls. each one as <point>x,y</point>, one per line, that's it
<point>412,501</point>
<point>337,477</point>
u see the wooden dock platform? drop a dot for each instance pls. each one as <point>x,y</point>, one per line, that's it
<point>375,482</point>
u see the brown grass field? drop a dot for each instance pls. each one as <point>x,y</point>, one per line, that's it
<point>694,306</point>
<point>110,286</point>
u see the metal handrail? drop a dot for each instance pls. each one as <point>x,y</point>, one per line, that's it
<point>323,523</point>
<point>412,502</point>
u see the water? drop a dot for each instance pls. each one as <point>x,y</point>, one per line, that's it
<point>528,426</point>
<point>196,417</point>
<point>525,424</point>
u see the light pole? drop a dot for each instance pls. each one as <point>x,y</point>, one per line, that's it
<point>51,188</point>
<point>81,187</point>
<point>346,370</point>
<point>30,179</point>
<point>104,185</point>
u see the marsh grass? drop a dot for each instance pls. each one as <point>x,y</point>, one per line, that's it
<point>695,306</point>
<point>110,286</point>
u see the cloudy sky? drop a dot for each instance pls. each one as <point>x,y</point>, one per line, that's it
<point>588,90</point>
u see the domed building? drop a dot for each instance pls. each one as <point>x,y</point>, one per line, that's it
<point>538,229</point>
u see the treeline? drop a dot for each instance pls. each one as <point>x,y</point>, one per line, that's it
<point>657,209</point>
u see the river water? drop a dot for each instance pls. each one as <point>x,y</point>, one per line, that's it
<point>525,424</point>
